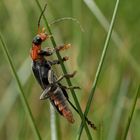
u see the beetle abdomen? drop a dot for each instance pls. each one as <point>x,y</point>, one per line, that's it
<point>61,105</point>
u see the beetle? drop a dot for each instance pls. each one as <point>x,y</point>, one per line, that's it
<point>44,74</point>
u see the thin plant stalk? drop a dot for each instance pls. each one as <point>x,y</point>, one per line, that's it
<point>22,95</point>
<point>54,133</point>
<point>65,72</point>
<point>131,114</point>
<point>99,66</point>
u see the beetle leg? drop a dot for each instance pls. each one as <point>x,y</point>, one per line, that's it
<point>62,47</point>
<point>45,93</point>
<point>54,62</point>
<point>71,87</point>
<point>51,77</point>
<point>50,51</point>
<point>69,75</point>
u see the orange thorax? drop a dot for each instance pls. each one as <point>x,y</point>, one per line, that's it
<point>34,53</point>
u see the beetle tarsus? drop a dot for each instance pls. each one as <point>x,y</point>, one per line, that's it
<point>62,47</point>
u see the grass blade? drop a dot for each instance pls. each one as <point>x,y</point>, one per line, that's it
<point>115,37</point>
<point>11,93</point>
<point>131,114</point>
<point>118,110</point>
<point>54,133</point>
<point>99,66</point>
<point>65,72</point>
<point>23,99</point>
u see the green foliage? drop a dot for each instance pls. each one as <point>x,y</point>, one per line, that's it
<point>110,109</point>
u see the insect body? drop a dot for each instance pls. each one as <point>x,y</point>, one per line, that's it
<point>42,69</point>
<point>58,95</point>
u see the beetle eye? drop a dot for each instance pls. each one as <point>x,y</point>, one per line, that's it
<point>37,40</point>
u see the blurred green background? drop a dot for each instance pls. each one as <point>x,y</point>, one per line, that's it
<point>118,80</point>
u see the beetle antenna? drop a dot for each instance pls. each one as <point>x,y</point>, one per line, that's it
<point>67,18</point>
<point>92,125</point>
<point>41,17</point>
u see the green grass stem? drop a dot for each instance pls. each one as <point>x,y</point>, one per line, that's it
<point>131,113</point>
<point>23,99</point>
<point>99,66</point>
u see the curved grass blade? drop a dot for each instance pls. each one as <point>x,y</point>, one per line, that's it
<point>131,114</point>
<point>99,66</point>
<point>68,80</point>
<point>23,99</point>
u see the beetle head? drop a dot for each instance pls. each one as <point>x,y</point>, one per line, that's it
<point>40,37</point>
